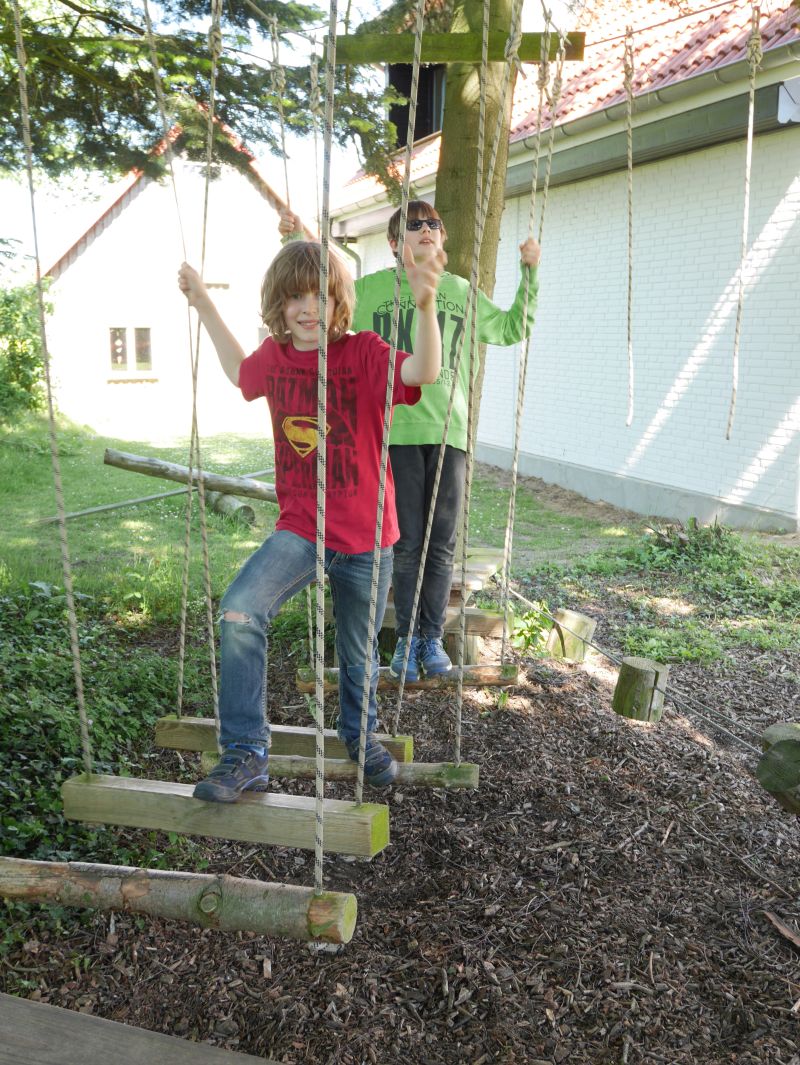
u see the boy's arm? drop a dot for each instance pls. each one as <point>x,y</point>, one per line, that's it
<point>229,350</point>
<point>424,366</point>
<point>496,326</point>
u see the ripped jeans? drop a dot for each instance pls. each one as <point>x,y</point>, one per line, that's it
<point>281,567</point>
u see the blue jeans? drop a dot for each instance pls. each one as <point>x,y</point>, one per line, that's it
<point>414,472</point>
<point>283,565</point>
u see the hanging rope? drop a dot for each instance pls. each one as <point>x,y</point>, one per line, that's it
<point>322,419</point>
<point>278,82</point>
<point>754,56</point>
<point>628,69</point>
<point>66,563</point>
<point>387,410</point>
<point>471,297</point>
<point>215,47</point>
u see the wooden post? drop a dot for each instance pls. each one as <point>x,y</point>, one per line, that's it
<point>229,903</point>
<point>778,770</point>
<point>171,471</point>
<point>231,507</point>
<point>568,636</point>
<point>639,693</point>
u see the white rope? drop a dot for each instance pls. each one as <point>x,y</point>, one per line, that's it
<point>754,54</point>
<point>628,69</point>
<point>66,563</point>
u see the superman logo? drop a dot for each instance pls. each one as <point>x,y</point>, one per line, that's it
<point>301,432</point>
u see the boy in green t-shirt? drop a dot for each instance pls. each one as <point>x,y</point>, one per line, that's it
<point>416,432</point>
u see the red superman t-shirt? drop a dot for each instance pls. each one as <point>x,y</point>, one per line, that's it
<point>357,370</point>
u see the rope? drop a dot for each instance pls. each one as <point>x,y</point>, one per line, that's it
<point>678,700</point>
<point>278,82</point>
<point>456,367</point>
<point>66,564</point>
<point>322,417</point>
<point>754,55</point>
<point>555,99</point>
<point>628,68</point>
<point>387,411</point>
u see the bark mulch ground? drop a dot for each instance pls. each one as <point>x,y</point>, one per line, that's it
<point>613,893</point>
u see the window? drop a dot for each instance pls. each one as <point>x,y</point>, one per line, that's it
<point>430,100</point>
<point>132,357</point>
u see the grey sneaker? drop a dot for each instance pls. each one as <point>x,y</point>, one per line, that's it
<point>237,771</point>
<point>396,665</point>
<point>432,656</point>
<point>380,768</point>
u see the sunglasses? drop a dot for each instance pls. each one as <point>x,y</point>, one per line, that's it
<point>413,225</point>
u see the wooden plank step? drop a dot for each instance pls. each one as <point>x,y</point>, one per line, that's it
<point>269,818</point>
<point>479,621</point>
<point>410,774</point>
<point>495,676</point>
<point>34,1033</point>
<point>199,734</point>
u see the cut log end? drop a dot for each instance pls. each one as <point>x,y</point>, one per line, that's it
<point>639,694</point>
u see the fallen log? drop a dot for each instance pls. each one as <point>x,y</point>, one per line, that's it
<point>231,507</point>
<point>171,471</point>
<point>229,903</point>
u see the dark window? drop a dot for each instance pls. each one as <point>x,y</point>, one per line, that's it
<point>430,100</point>
<point>143,357</point>
<point>119,349</point>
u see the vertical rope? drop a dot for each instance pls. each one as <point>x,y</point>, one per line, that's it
<point>628,69</point>
<point>322,416</point>
<point>387,410</point>
<point>754,55</point>
<point>278,81</point>
<point>471,298</point>
<point>66,564</point>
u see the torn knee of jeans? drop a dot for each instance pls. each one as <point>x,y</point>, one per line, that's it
<point>236,617</point>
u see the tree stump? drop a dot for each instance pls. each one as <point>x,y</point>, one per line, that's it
<point>639,693</point>
<point>568,636</point>
<point>778,771</point>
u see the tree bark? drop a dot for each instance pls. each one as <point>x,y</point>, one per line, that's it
<point>226,902</point>
<point>171,471</point>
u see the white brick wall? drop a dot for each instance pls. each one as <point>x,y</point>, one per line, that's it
<point>687,226</point>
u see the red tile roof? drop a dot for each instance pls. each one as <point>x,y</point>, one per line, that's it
<point>671,43</point>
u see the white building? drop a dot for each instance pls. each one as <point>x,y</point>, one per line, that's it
<point>690,120</point>
<point>119,335</point>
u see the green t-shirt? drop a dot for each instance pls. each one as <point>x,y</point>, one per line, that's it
<point>424,422</point>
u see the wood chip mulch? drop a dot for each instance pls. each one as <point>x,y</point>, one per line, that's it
<point>613,893</point>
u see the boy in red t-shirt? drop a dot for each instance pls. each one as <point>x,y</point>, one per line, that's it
<point>284,370</point>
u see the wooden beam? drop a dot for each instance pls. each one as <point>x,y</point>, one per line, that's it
<point>229,903</point>
<point>361,48</point>
<point>495,676</point>
<point>171,471</point>
<point>409,774</point>
<point>270,818</point>
<point>479,621</point>
<point>33,1033</point>
<point>199,734</point>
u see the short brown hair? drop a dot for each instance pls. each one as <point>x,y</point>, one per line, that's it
<point>296,269</point>
<point>416,209</point>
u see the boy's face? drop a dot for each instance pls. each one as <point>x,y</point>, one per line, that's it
<point>301,314</point>
<point>424,241</point>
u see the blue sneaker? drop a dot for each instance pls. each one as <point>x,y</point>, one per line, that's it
<point>432,657</point>
<point>396,665</point>
<point>238,770</point>
<point>380,768</point>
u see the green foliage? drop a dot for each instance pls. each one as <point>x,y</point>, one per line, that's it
<point>689,641</point>
<point>21,356</point>
<point>779,767</point>
<point>531,629</point>
<point>125,693</point>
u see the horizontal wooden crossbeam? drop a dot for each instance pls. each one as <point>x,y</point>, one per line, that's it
<point>409,774</point>
<point>268,818</point>
<point>361,48</point>
<point>199,734</point>
<point>488,676</point>
<point>479,622</point>
<point>230,903</point>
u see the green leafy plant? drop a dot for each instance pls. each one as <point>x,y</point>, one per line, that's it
<point>21,360</point>
<point>531,628</point>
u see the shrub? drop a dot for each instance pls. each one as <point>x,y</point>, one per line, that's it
<point>21,355</point>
